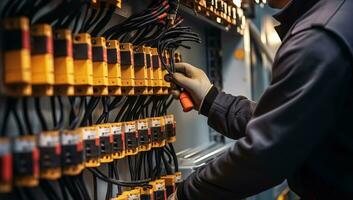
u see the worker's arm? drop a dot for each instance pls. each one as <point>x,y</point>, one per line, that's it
<point>227,114</point>
<point>297,112</point>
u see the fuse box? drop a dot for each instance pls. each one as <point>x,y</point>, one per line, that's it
<point>50,155</point>
<point>159,190</point>
<point>127,68</point>
<point>72,158</point>
<point>17,56</point>
<point>91,143</point>
<point>100,66</point>
<point>118,140</point>
<point>114,67</point>
<point>144,133</point>
<point>169,184</point>
<point>157,72</point>
<point>42,60</point>
<point>106,143</point>
<point>131,138</point>
<point>157,131</point>
<point>26,161</point>
<point>83,67</point>
<point>140,69</point>
<point>170,128</point>
<point>63,63</point>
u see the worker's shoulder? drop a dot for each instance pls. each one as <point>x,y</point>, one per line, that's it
<point>325,13</point>
<point>333,16</point>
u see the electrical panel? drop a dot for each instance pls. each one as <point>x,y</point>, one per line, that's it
<point>82,92</point>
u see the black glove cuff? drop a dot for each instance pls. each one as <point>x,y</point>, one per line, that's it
<point>208,101</point>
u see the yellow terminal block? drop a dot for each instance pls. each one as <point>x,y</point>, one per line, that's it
<point>145,192</point>
<point>100,66</point>
<point>118,140</point>
<point>159,190</point>
<point>114,67</point>
<point>50,155</point>
<point>6,159</point>
<point>144,133</point>
<point>106,143</point>
<point>133,194</point>
<point>91,146</point>
<point>42,60</point>
<point>157,131</point>
<point>26,161</point>
<point>17,59</point>
<point>131,138</point>
<point>170,126</point>
<point>157,72</point>
<point>83,67</point>
<point>120,197</point>
<point>165,85</point>
<point>72,152</point>
<point>149,70</point>
<point>63,63</point>
<point>140,68</point>
<point>178,178</point>
<point>169,183</point>
<point>127,69</point>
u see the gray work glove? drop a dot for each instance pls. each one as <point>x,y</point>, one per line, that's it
<point>193,80</point>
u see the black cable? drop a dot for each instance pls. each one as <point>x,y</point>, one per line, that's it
<point>116,174</point>
<point>175,158</point>
<point>97,16</point>
<point>95,187</point>
<point>40,115</point>
<point>26,115</point>
<point>86,23</point>
<point>101,176</point>
<point>167,167</point>
<point>63,189</point>
<point>53,111</point>
<point>61,122</point>
<point>48,190</point>
<point>104,21</point>
<point>109,193</point>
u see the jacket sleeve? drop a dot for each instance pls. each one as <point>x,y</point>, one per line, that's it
<point>227,114</point>
<point>311,77</point>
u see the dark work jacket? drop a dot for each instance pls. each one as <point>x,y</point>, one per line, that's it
<point>301,129</point>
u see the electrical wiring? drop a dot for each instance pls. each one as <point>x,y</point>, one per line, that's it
<point>10,5</point>
<point>53,111</point>
<point>75,117</point>
<point>88,20</point>
<point>40,115</point>
<point>11,104</point>
<point>26,115</point>
<point>104,20</point>
<point>101,176</point>
<point>97,16</point>
<point>48,190</point>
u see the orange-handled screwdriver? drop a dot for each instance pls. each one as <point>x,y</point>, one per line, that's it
<point>186,101</point>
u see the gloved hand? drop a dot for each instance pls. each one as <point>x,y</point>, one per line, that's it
<point>193,80</point>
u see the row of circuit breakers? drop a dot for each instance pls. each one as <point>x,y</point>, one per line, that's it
<point>229,13</point>
<point>43,61</point>
<point>40,62</point>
